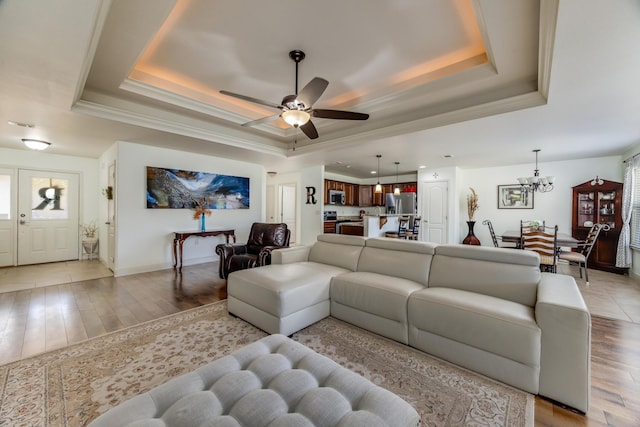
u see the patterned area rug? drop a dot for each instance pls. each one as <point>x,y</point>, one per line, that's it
<point>71,386</point>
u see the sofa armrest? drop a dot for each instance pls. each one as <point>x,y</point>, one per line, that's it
<point>290,255</point>
<point>565,322</point>
<point>264,257</point>
<point>225,251</point>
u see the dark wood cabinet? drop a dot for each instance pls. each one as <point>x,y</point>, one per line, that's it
<point>329,227</point>
<point>365,193</point>
<point>599,204</point>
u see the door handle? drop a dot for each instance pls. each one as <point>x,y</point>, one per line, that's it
<point>108,222</point>
<point>23,222</point>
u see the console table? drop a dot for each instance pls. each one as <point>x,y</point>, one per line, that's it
<point>181,236</point>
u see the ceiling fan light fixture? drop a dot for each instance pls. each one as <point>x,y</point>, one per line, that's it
<point>296,118</point>
<point>36,144</point>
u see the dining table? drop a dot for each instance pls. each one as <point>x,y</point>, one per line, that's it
<point>563,239</point>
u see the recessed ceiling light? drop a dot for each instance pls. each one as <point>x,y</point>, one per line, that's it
<point>24,125</point>
<point>373,172</point>
<point>422,167</point>
<point>36,144</point>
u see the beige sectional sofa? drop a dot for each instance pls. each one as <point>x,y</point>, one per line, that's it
<point>486,309</point>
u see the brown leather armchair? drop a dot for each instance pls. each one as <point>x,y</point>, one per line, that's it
<point>263,238</point>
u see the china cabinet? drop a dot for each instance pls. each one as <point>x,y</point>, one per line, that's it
<point>599,204</point>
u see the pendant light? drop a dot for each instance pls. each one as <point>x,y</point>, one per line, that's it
<point>396,190</point>
<point>378,186</point>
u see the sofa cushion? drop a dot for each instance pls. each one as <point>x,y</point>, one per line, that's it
<point>492,324</point>
<point>397,258</point>
<point>282,289</point>
<point>337,249</point>
<point>502,273</point>
<point>374,293</point>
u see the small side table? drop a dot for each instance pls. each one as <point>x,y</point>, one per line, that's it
<point>90,247</point>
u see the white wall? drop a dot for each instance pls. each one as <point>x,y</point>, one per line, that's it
<point>554,207</point>
<point>145,236</point>
<point>311,215</point>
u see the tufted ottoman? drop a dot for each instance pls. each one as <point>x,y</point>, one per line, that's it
<point>274,382</point>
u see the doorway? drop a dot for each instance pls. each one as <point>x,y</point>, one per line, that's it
<point>47,216</point>
<point>288,203</point>
<point>435,196</point>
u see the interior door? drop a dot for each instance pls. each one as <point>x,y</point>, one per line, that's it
<point>434,212</point>
<point>288,208</point>
<point>111,218</point>
<point>47,216</point>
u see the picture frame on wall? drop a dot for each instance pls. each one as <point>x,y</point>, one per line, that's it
<point>513,196</point>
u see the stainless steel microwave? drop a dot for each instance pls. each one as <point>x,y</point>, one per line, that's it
<point>336,197</point>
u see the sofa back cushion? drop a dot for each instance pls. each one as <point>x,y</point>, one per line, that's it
<point>337,249</point>
<point>263,234</point>
<point>509,274</point>
<point>405,259</point>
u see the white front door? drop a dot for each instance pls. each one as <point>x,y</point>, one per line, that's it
<point>434,212</point>
<point>47,216</point>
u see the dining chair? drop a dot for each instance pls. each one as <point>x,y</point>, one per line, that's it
<point>495,238</point>
<point>414,230</point>
<point>544,241</point>
<point>403,228</point>
<point>528,225</point>
<point>581,256</point>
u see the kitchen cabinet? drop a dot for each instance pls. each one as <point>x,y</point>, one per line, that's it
<point>353,230</point>
<point>351,194</point>
<point>329,227</point>
<point>365,195</point>
<point>599,204</point>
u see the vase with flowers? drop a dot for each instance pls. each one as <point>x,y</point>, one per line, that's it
<point>202,209</point>
<point>472,207</point>
<point>90,239</point>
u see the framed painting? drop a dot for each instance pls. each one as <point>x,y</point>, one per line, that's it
<point>182,189</point>
<point>512,196</point>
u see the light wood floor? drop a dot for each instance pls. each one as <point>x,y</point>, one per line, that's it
<point>44,318</point>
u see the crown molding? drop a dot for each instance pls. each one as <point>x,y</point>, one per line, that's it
<point>211,133</point>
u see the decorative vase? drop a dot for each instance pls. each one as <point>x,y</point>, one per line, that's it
<point>471,238</point>
<point>203,226</point>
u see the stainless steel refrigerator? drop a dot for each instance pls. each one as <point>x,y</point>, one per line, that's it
<point>404,204</point>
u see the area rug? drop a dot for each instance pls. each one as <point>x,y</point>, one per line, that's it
<point>71,386</point>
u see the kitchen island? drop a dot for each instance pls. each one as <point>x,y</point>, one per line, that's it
<point>377,225</point>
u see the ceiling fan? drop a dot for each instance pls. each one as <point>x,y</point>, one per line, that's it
<point>297,109</point>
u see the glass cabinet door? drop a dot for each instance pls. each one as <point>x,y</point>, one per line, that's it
<point>586,209</point>
<point>606,208</point>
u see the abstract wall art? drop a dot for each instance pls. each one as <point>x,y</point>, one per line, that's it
<point>181,189</point>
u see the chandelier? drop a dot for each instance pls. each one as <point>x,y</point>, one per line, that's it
<point>535,182</point>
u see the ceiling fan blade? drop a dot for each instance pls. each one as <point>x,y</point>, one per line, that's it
<point>340,115</point>
<point>250,99</point>
<point>310,130</point>
<point>312,91</point>
<point>262,120</point>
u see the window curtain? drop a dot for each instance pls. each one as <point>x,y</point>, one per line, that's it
<point>623,255</point>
